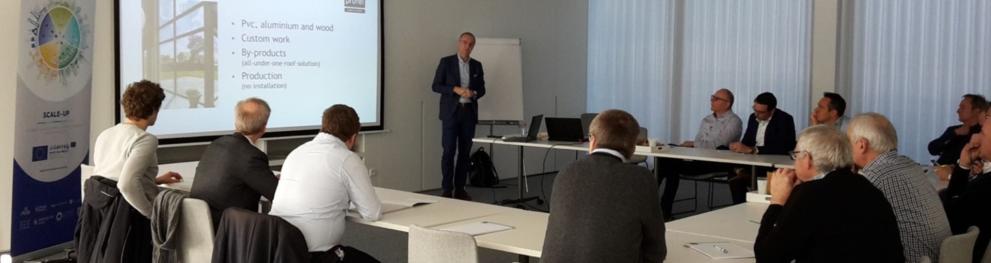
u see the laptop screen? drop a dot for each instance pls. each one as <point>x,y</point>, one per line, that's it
<point>531,134</point>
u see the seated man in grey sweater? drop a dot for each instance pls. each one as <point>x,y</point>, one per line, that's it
<point>602,209</point>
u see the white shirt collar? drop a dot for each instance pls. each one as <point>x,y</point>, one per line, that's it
<point>768,119</point>
<point>610,152</point>
<point>326,137</point>
<point>818,176</point>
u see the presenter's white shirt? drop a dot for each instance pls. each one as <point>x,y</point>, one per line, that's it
<point>465,74</point>
<point>320,180</point>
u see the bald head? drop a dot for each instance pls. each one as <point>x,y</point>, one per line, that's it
<point>251,116</point>
<point>870,134</point>
<point>721,101</point>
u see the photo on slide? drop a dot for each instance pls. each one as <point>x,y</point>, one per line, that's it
<point>186,66</point>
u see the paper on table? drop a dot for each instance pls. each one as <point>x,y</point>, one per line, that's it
<point>721,250</point>
<point>396,205</point>
<point>478,228</point>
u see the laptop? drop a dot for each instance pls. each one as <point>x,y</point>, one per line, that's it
<point>586,122</point>
<point>531,135</point>
<point>564,129</point>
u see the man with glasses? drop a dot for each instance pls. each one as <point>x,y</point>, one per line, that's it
<point>717,130</point>
<point>769,131</point>
<point>821,211</point>
<point>969,196</point>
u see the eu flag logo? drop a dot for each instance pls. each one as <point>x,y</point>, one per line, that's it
<point>39,153</point>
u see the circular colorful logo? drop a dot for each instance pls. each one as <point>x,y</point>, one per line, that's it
<point>56,66</point>
<point>58,38</point>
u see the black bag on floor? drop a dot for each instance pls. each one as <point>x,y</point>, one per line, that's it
<point>481,172</point>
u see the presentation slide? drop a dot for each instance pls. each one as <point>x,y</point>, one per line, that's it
<point>301,56</point>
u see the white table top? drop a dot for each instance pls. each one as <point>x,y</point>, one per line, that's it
<point>677,252</point>
<point>685,153</point>
<point>442,211</point>
<point>526,237</point>
<point>738,223</point>
<point>731,224</point>
<point>185,169</point>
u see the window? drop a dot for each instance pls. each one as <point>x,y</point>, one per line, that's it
<point>913,60</point>
<point>655,58</point>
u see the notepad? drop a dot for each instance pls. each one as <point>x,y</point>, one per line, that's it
<point>396,205</point>
<point>721,250</point>
<point>478,228</point>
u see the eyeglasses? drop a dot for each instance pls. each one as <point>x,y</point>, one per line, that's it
<point>715,98</point>
<point>795,154</point>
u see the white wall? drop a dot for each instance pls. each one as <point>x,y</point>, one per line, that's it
<point>419,33</point>
<point>10,17</point>
<point>825,25</point>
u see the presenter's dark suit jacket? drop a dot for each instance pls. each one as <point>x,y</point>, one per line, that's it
<point>448,76</point>
<point>839,218</point>
<point>604,210</point>
<point>233,173</point>
<point>779,137</point>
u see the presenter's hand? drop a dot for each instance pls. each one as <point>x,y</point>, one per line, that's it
<point>784,180</point>
<point>468,94</point>
<point>459,90</point>
<point>168,178</point>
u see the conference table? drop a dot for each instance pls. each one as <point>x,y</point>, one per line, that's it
<point>674,152</point>
<point>526,237</point>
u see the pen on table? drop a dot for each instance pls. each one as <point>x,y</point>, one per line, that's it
<point>721,249</point>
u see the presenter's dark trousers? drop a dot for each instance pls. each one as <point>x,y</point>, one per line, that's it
<point>456,140</point>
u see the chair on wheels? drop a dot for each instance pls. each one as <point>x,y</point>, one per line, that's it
<point>958,248</point>
<point>439,246</point>
<point>195,232</point>
<point>711,179</point>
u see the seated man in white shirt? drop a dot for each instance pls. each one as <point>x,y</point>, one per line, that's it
<point>321,180</point>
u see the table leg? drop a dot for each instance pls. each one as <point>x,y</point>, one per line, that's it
<point>522,175</point>
<point>753,177</point>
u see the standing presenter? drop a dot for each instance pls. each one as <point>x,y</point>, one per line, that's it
<point>460,82</point>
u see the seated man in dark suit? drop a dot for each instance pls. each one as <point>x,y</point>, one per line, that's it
<point>602,209</point>
<point>968,200</point>
<point>947,147</point>
<point>822,212</point>
<point>233,172</point>
<point>769,131</point>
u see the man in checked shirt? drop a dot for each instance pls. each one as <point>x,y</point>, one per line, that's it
<point>922,222</point>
